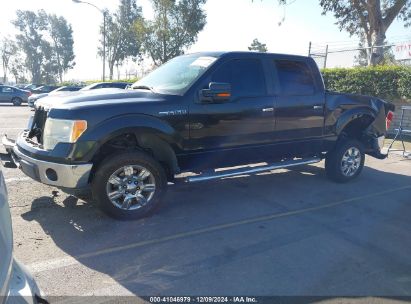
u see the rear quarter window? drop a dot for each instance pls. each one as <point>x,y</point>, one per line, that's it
<point>295,77</point>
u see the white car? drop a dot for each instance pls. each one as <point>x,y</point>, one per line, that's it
<point>16,284</point>
<point>61,90</point>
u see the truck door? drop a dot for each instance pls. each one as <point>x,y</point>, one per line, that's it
<point>299,107</point>
<point>235,126</point>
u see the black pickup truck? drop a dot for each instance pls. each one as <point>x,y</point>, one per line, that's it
<point>196,113</point>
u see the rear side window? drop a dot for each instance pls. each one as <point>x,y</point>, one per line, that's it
<point>116,85</point>
<point>246,77</point>
<point>295,77</point>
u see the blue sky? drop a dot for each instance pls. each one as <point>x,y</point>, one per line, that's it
<point>232,25</point>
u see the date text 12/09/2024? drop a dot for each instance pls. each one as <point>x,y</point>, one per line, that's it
<point>202,299</point>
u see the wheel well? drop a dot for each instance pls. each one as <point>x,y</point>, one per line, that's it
<point>151,144</point>
<point>355,128</point>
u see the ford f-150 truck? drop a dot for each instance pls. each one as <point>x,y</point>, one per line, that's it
<point>196,113</point>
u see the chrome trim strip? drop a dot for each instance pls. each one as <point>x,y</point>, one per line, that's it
<point>234,172</point>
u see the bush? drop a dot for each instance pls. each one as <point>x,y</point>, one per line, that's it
<point>390,82</point>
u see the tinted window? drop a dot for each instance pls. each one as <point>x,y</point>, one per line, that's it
<point>245,76</point>
<point>295,78</point>
<point>119,85</point>
<point>70,89</point>
<point>7,89</point>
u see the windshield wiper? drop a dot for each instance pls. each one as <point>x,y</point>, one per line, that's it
<point>144,87</point>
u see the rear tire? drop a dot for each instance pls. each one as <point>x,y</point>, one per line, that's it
<point>346,161</point>
<point>17,101</point>
<point>129,185</point>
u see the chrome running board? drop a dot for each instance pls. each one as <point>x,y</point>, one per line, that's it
<point>247,170</point>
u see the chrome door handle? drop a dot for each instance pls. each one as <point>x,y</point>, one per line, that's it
<point>268,110</point>
<point>318,107</point>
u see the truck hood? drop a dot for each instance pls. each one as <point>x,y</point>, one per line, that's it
<point>6,238</point>
<point>96,98</point>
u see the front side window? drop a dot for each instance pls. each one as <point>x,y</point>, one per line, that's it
<point>177,75</point>
<point>295,77</point>
<point>246,77</point>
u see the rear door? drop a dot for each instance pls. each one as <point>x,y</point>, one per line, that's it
<point>299,108</point>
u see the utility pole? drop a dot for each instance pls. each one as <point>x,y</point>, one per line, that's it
<point>104,12</point>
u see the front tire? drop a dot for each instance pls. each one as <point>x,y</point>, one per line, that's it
<point>129,185</point>
<point>346,161</point>
<point>17,101</point>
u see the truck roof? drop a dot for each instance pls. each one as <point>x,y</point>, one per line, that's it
<point>239,54</point>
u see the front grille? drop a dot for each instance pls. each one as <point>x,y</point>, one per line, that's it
<point>37,127</point>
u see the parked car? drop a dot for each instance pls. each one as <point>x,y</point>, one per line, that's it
<point>106,85</point>
<point>45,89</point>
<point>31,86</point>
<point>197,113</point>
<point>14,95</point>
<point>16,284</point>
<point>20,85</point>
<point>60,90</point>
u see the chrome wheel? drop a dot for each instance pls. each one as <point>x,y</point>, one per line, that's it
<point>351,161</point>
<point>131,187</point>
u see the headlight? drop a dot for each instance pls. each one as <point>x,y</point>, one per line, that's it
<point>60,130</point>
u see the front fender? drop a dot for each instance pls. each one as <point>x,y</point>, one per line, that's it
<point>101,133</point>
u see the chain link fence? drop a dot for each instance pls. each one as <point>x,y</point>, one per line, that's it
<point>331,56</point>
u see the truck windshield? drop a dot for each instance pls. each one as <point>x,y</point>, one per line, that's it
<point>177,75</point>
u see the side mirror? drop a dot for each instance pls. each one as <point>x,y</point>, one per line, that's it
<point>216,92</point>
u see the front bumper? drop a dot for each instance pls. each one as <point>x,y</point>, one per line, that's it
<point>23,288</point>
<point>50,173</point>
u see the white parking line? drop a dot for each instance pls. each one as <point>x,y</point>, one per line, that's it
<point>57,263</point>
<point>17,179</point>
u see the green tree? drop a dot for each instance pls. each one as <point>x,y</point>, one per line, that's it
<point>367,19</point>
<point>61,34</point>
<point>17,67</point>
<point>8,48</point>
<point>47,43</point>
<point>121,43</point>
<point>32,27</point>
<point>175,28</point>
<point>363,57</point>
<point>257,46</point>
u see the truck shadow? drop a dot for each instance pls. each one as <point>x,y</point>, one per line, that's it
<point>288,233</point>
